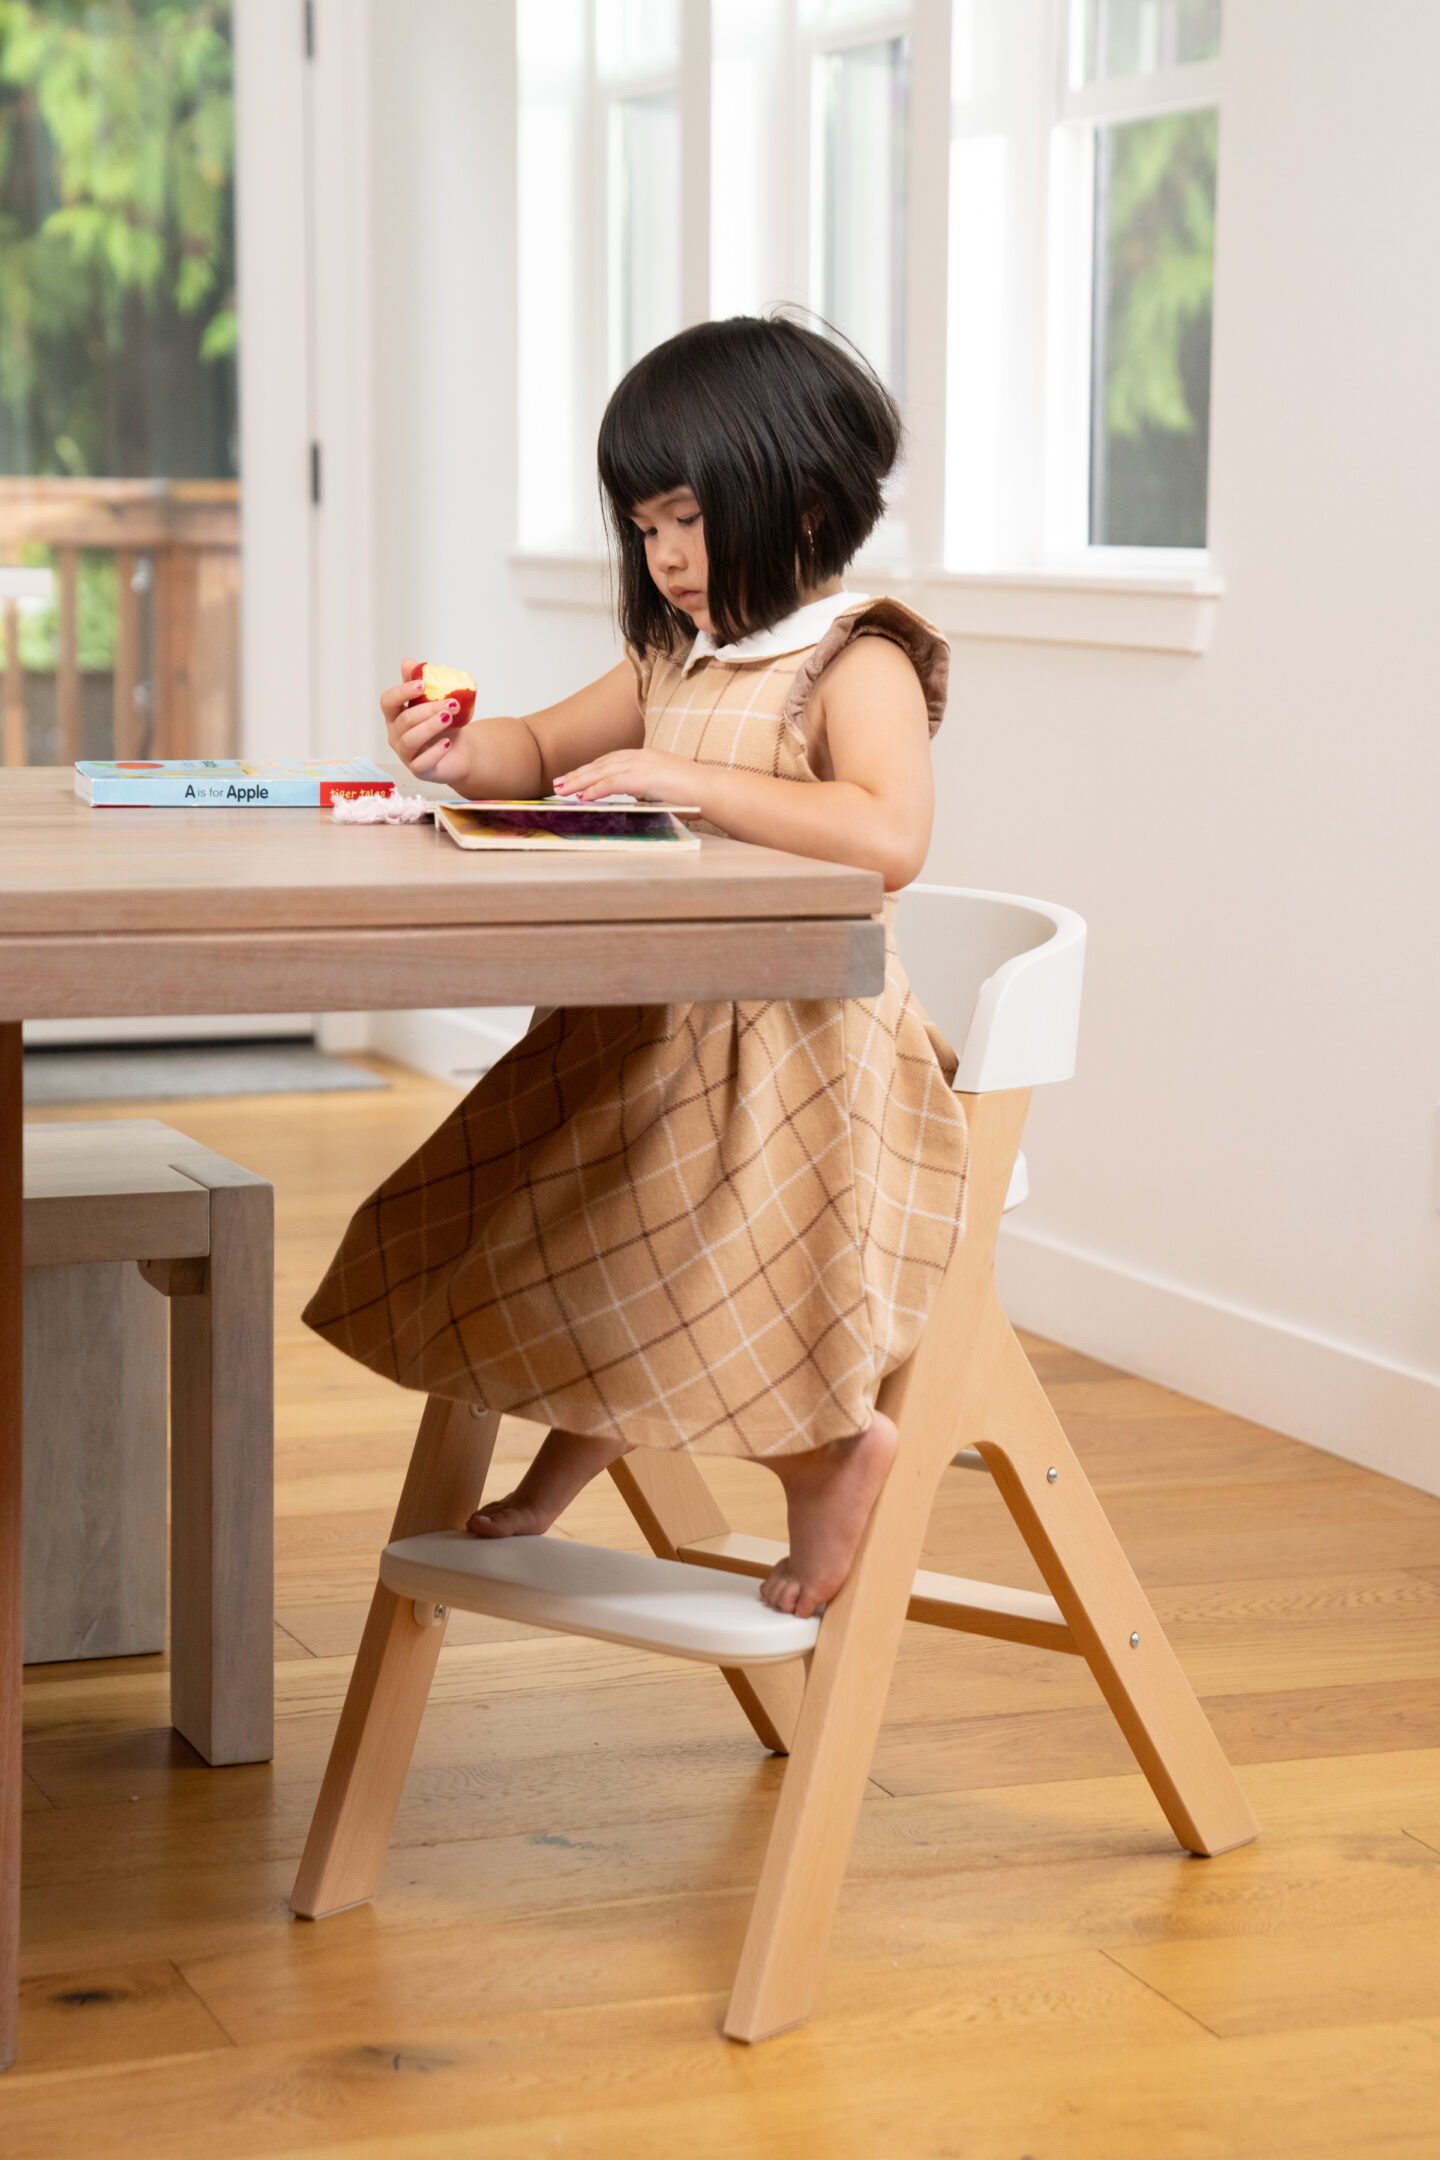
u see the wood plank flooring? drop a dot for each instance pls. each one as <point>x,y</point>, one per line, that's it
<point>1024,1963</point>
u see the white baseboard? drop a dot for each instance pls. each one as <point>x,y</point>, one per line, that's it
<point>454,1046</point>
<point>183,1027</point>
<point>1333,1395</point>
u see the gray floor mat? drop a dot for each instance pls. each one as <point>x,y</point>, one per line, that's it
<point>153,1072</point>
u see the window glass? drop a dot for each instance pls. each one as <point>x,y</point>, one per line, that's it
<point>634,37</point>
<point>866,124</point>
<point>1135,37</point>
<point>118,408</point>
<point>1154,273</point>
<point>644,200</point>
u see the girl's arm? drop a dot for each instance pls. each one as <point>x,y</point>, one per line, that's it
<point>507,756</point>
<point>870,742</point>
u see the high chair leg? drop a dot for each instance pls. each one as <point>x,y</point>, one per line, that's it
<point>1109,1614</point>
<point>936,1399</point>
<point>667,1494</point>
<point>370,1756</point>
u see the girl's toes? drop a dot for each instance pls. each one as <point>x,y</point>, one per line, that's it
<point>780,1588</point>
<point>792,1590</point>
<point>497,1521</point>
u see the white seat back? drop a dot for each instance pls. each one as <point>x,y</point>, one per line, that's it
<point>1000,976</point>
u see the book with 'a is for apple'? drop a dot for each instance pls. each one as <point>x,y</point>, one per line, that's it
<point>227,783</point>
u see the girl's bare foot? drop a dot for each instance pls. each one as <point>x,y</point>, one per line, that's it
<point>564,1466</point>
<point>829,1493</point>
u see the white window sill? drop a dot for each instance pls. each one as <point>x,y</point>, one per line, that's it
<point>1162,610</point>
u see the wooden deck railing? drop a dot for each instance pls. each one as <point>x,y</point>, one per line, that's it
<point>176,688</point>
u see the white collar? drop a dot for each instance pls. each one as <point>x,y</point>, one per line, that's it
<point>805,627</point>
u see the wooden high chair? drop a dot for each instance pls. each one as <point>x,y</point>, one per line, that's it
<point>1001,976</point>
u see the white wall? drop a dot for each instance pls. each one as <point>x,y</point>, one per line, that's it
<point>1236,1194</point>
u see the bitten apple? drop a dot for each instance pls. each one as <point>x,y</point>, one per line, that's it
<point>439,683</point>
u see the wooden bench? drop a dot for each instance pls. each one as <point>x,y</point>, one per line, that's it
<point>98,1199</point>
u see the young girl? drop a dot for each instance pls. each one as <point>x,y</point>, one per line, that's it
<point>700,1226</point>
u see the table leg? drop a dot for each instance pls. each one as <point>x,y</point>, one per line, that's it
<point>222,1481</point>
<point>11,1610</point>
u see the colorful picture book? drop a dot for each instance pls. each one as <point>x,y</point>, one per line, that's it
<point>557,822</point>
<point>227,783</point>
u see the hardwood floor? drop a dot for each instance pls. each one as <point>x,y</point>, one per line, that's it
<point>1024,1963</point>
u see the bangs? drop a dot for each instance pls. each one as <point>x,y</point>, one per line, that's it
<point>642,451</point>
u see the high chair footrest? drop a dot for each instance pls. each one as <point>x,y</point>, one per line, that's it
<point>589,1590</point>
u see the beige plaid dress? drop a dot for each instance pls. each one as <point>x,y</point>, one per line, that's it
<point>701,1226</point>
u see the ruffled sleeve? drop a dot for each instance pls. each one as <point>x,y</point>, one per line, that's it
<point>921,643</point>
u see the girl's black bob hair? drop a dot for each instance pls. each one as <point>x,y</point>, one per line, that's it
<point>784,437</point>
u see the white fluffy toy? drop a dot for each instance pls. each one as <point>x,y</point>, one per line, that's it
<point>380,809</point>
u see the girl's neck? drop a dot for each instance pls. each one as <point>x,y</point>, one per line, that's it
<point>827,591</point>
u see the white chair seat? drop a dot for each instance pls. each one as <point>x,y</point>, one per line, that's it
<point>588,1590</point>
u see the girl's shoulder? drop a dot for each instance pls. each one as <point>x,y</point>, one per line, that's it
<point>919,641</point>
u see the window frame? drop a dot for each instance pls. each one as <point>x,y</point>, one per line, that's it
<point>1080,111</point>
<point>1044,580</point>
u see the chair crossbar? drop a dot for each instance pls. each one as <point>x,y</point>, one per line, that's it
<point>949,1601</point>
<point>617,1597</point>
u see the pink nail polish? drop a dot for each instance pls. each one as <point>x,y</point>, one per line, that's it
<point>446,744</point>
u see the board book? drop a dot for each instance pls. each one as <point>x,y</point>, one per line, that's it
<point>227,783</point>
<point>555,823</point>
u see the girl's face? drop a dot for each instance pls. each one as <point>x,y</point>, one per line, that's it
<point>674,534</point>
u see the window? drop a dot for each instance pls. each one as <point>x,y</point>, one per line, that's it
<point>600,263</point>
<point>862,135</point>
<point>1081,259</point>
<point>1007,205</point>
<point>854,69</point>
<point>1155,133</point>
<point>638,65</point>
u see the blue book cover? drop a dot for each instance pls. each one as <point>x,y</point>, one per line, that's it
<point>227,783</point>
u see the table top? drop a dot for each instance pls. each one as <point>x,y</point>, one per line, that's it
<point>68,869</point>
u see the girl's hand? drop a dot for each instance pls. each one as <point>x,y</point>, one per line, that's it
<point>418,731</point>
<point>653,775</point>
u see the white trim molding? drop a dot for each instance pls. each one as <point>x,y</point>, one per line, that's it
<point>580,582</point>
<point>1161,612</point>
<point>453,1046</point>
<point>1152,613</point>
<point>1334,1395</point>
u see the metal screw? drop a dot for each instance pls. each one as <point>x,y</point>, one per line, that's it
<point>477,1409</point>
<point>1052,1475</point>
<point>1135,1640</point>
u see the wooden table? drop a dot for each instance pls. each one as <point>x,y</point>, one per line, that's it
<point>117,912</point>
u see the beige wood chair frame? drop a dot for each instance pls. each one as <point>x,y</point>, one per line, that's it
<point>969,1385</point>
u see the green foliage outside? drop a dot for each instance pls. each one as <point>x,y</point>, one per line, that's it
<point>96,614</point>
<point>116,157</point>
<point>1162,267</point>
